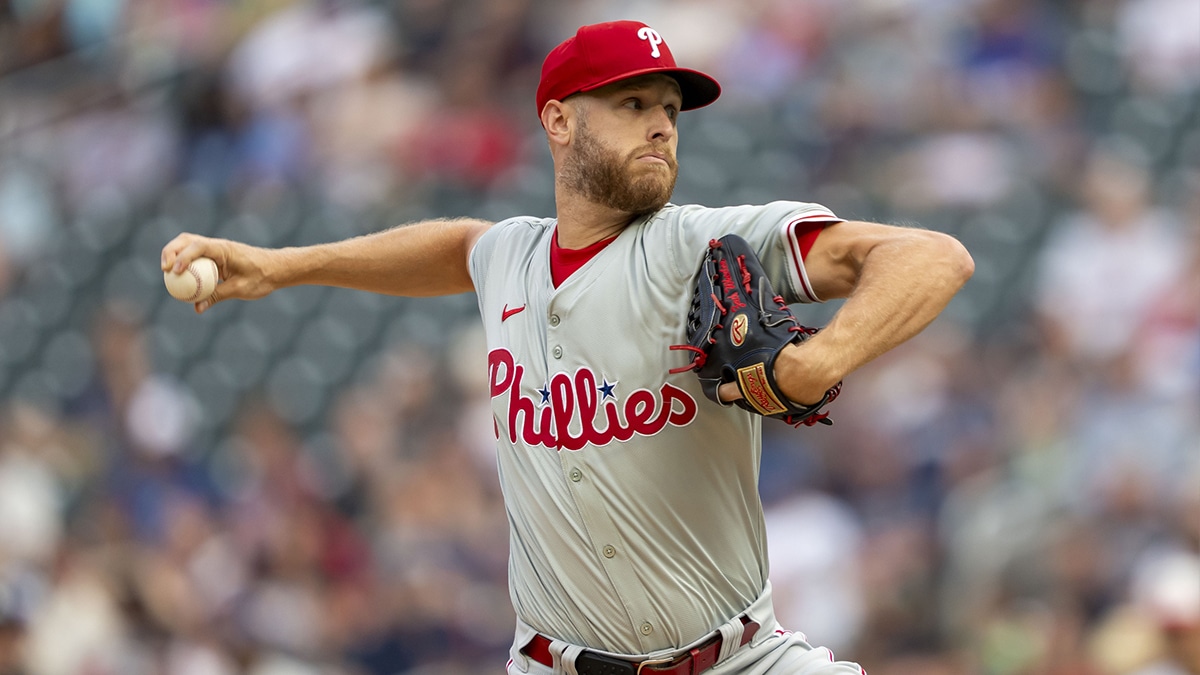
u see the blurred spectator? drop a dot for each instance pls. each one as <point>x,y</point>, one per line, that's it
<point>12,640</point>
<point>79,626</point>
<point>1103,265</point>
<point>1161,45</point>
<point>213,119</point>
<point>93,23</point>
<point>773,53</point>
<point>1167,361</point>
<point>278,73</point>
<point>360,128</point>
<point>886,69</point>
<point>968,168</point>
<point>1156,630</point>
<point>1102,272</point>
<point>32,499</point>
<point>162,417</point>
<point>486,141</point>
<point>122,365</point>
<point>469,138</point>
<point>815,543</point>
<point>306,48</point>
<point>121,144</point>
<point>1166,588</point>
<point>29,217</point>
<point>367,436</point>
<point>31,32</point>
<point>1005,54</point>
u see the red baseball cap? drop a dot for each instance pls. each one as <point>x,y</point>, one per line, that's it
<point>604,53</point>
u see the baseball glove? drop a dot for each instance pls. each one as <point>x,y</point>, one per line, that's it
<point>736,328</point>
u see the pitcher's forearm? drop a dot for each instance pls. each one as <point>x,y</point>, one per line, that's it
<point>426,258</point>
<point>421,259</point>
<point>904,285</point>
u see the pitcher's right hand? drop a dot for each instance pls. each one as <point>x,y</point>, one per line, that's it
<point>245,271</point>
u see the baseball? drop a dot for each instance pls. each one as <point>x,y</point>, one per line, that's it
<point>195,283</point>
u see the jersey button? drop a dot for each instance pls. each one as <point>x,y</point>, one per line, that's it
<point>553,319</point>
<point>576,475</point>
<point>609,551</point>
<point>557,352</point>
<point>647,628</point>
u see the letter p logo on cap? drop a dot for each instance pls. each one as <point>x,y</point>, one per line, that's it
<point>650,35</point>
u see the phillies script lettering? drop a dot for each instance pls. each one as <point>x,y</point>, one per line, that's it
<point>575,399</point>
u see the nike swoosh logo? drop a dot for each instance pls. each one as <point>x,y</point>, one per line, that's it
<point>509,312</point>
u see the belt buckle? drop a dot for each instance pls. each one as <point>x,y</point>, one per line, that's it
<point>591,663</point>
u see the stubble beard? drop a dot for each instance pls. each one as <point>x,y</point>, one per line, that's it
<point>599,174</point>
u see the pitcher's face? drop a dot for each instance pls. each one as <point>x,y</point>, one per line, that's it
<point>623,155</point>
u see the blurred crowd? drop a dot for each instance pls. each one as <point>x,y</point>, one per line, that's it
<point>1014,492</point>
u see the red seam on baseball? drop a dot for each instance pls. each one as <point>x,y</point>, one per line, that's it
<point>195,297</point>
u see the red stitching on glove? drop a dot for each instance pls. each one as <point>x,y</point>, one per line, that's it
<point>741,261</point>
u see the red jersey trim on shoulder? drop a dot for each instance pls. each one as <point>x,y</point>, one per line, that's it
<point>801,233</point>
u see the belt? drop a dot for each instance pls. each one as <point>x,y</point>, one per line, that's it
<point>693,662</point>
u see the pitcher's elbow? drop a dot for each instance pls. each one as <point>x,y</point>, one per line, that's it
<point>957,262</point>
<point>964,264</point>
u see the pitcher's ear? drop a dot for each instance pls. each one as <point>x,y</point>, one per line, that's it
<point>556,119</point>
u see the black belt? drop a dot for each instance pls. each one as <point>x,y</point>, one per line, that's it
<point>693,662</point>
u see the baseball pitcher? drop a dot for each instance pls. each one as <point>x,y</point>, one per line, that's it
<point>634,348</point>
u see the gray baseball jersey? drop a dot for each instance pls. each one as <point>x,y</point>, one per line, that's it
<point>632,500</point>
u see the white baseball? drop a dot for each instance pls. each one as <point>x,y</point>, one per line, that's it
<point>195,283</point>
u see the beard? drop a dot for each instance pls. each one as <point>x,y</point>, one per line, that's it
<point>601,175</point>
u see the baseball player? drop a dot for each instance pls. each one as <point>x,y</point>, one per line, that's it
<point>636,529</point>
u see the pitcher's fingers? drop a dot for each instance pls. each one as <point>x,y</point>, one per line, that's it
<point>196,247</point>
<point>729,392</point>
<point>185,248</point>
<point>203,306</point>
<point>237,288</point>
<point>218,295</point>
<point>171,251</point>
